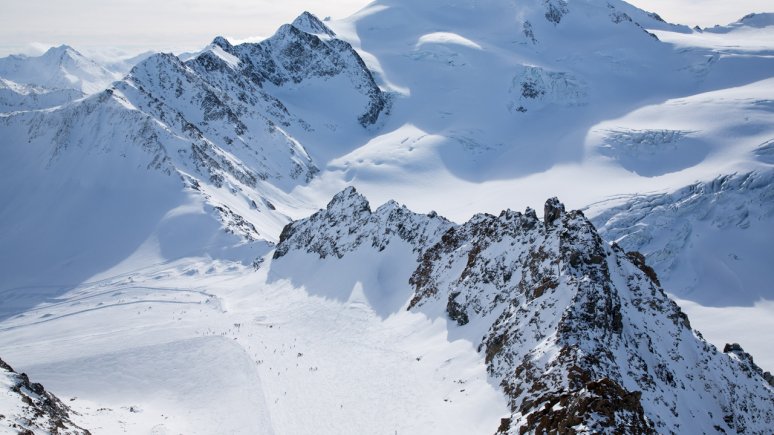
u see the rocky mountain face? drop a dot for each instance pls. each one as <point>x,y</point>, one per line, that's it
<point>27,408</point>
<point>224,122</point>
<point>303,57</point>
<point>578,333</point>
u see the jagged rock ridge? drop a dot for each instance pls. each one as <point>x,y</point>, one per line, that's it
<point>27,408</point>
<point>224,122</point>
<point>348,222</point>
<point>578,333</point>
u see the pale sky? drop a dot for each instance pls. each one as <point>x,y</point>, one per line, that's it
<point>131,26</point>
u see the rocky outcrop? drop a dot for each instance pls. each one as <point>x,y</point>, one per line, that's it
<point>555,10</point>
<point>348,222</point>
<point>536,87</point>
<point>748,364</point>
<point>578,333</point>
<point>579,322</point>
<point>27,408</point>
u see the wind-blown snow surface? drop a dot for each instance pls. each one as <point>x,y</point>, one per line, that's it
<point>208,347</point>
<point>457,107</point>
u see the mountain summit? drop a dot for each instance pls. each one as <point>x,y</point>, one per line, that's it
<point>60,67</point>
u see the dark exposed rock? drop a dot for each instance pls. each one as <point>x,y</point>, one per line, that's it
<point>601,406</point>
<point>529,32</point>
<point>456,311</point>
<point>553,210</point>
<point>555,10</point>
<point>639,260</point>
<point>39,410</point>
<point>750,366</point>
<point>584,339</point>
<point>531,89</point>
<point>348,222</point>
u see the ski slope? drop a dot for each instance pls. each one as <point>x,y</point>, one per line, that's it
<point>202,346</point>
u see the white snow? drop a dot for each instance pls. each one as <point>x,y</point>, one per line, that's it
<point>58,68</point>
<point>116,267</point>
<point>204,347</point>
<point>229,58</point>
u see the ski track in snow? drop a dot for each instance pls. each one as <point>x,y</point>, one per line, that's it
<point>248,363</point>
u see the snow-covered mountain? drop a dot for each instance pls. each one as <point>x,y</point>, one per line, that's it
<point>60,67</point>
<point>754,20</point>
<point>179,142</point>
<point>578,334</point>
<point>58,76</point>
<point>156,231</point>
<point>16,97</point>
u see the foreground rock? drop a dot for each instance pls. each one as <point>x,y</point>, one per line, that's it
<point>27,408</point>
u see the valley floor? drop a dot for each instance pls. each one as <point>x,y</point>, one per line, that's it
<point>197,346</point>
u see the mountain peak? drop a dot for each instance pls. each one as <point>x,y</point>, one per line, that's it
<point>348,200</point>
<point>60,67</point>
<point>157,61</point>
<point>553,210</point>
<point>221,42</point>
<point>309,23</point>
<point>64,48</point>
<point>347,223</point>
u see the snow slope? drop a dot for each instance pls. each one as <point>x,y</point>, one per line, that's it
<point>202,347</point>
<point>15,97</point>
